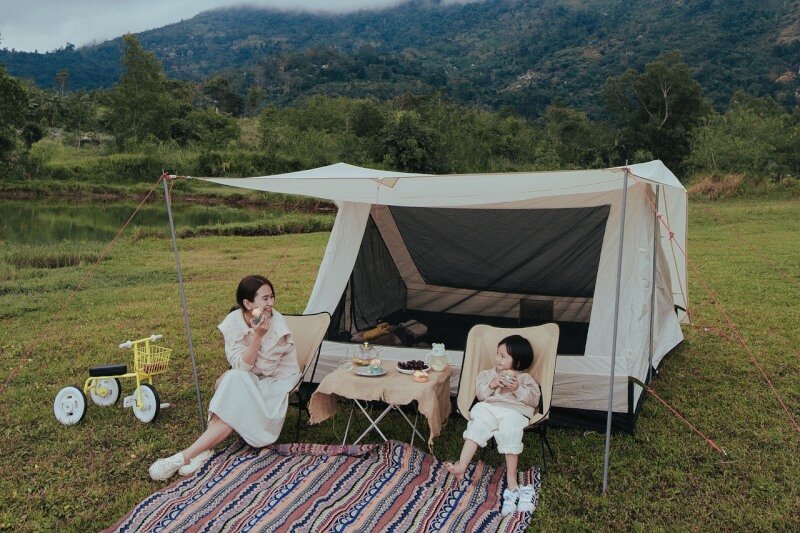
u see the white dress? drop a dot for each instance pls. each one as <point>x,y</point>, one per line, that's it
<point>253,399</point>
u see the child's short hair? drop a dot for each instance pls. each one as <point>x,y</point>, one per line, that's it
<point>520,350</point>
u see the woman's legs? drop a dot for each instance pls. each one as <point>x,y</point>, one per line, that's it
<point>216,432</point>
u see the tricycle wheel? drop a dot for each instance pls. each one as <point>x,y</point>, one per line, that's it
<point>70,405</point>
<point>105,391</point>
<point>151,403</point>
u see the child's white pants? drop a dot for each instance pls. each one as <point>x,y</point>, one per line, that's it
<point>502,423</point>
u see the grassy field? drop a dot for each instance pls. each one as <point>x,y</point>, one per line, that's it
<point>665,477</point>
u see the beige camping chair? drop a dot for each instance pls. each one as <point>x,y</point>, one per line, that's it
<point>308,332</point>
<point>479,355</point>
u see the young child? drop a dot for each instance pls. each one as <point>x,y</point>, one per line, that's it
<point>508,399</point>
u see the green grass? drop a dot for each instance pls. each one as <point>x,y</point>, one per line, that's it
<point>663,478</point>
<point>57,255</point>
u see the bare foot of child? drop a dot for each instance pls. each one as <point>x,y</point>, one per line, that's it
<point>456,469</point>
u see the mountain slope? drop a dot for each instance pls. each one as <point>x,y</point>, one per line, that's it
<point>521,53</point>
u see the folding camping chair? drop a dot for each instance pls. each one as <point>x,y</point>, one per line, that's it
<point>308,332</point>
<point>479,355</point>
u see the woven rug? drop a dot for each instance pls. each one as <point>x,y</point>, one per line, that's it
<point>313,487</point>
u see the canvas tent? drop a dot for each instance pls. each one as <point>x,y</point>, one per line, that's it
<point>528,247</point>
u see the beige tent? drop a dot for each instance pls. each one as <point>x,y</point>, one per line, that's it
<point>517,248</point>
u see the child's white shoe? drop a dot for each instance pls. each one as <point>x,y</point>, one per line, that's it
<point>509,502</point>
<point>526,494</point>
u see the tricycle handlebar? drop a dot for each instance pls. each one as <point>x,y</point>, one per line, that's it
<point>151,338</point>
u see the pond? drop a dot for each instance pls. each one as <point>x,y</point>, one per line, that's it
<point>42,221</point>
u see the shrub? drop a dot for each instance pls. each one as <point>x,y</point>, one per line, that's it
<point>715,186</point>
<point>243,163</point>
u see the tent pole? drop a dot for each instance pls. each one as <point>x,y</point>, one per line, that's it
<point>653,286</point>
<point>184,306</point>
<point>614,337</point>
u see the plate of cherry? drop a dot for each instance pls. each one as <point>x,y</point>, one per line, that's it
<point>409,367</point>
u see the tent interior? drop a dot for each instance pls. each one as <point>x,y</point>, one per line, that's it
<point>450,268</point>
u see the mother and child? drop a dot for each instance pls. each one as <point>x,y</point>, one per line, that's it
<point>252,397</point>
<point>508,398</point>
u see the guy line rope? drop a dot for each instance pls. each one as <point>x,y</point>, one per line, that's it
<point>47,329</point>
<point>715,301</point>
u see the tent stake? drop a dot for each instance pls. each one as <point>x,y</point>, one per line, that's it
<point>184,306</point>
<point>614,337</point>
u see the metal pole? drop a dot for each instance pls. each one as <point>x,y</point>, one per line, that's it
<point>614,337</point>
<point>653,286</point>
<point>184,306</point>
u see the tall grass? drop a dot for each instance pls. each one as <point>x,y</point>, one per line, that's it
<point>58,255</point>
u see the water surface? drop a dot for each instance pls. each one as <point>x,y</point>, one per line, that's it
<point>41,221</point>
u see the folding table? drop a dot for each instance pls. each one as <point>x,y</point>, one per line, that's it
<point>393,388</point>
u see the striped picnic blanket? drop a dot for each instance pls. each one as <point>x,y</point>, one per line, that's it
<point>313,487</point>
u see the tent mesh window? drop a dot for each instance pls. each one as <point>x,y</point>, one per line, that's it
<point>533,254</point>
<point>551,252</point>
<point>377,290</point>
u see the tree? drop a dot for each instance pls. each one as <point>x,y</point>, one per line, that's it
<point>62,81</point>
<point>31,133</point>
<point>255,95</point>
<point>79,112</point>
<point>409,145</point>
<point>13,106</point>
<point>142,105</point>
<point>657,109</point>
<point>754,137</point>
<point>209,127</point>
<point>46,107</point>
<point>223,95</point>
<point>577,141</point>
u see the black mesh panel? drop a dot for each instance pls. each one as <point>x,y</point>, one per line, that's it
<point>378,289</point>
<point>551,252</point>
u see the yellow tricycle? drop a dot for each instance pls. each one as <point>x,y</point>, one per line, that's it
<point>103,386</point>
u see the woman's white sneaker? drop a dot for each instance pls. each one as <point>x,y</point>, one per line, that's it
<point>196,463</point>
<point>166,467</point>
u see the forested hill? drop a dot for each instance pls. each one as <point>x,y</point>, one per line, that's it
<point>518,53</point>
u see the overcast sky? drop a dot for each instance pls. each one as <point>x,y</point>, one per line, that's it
<point>45,25</point>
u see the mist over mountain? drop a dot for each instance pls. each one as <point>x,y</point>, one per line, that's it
<point>522,54</point>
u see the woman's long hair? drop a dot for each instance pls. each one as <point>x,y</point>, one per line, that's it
<point>248,288</point>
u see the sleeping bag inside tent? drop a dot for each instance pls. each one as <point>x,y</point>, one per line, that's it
<point>428,257</point>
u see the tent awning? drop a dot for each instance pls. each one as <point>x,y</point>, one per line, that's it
<point>347,183</point>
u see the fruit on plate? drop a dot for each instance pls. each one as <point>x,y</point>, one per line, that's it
<point>412,365</point>
<point>420,376</point>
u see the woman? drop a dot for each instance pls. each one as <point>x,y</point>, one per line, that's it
<point>252,397</point>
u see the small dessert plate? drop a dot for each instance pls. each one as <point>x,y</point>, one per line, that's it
<point>367,371</point>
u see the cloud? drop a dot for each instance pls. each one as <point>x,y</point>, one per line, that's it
<point>49,24</point>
